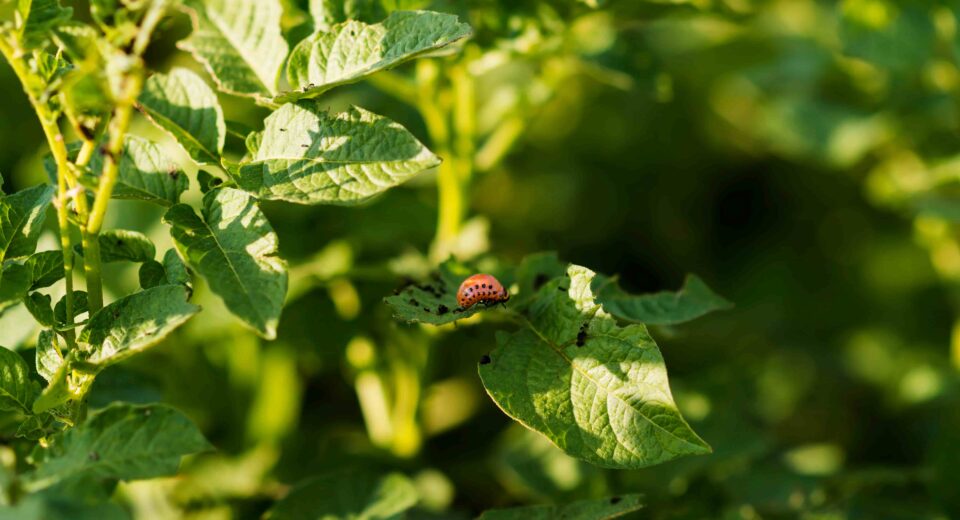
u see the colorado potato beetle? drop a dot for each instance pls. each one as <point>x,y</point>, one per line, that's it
<point>481,288</point>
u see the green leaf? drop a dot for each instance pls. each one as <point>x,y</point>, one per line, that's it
<point>151,274</point>
<point>37,18</point>
<point>16,390</point>
<point>145,173</point>
<point>310,157</point>
<point>16,277</point>
<point>134,323</point>
<point>693,300</point>
<point>46,268</point>
<point>43,506</point>
<point>348,496</point>
<point>182,104</point>
<point>239,42</point>
<point>233,246</point>
<point>122,245</point>
<point>598,391</point>
<point>595,509</point>
<point>64,385</point>
<point>351,50</point>
<point>176,270</point>
<point>41,308</point>
<point>434,302</point>
<point>49,357</point>
<point>80,306</point>
<point>120,442</point>
<point>21,220</point>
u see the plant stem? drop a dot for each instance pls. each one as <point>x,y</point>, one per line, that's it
<point>450,202</point>
<point>65,178</point>
<point>108,179</point>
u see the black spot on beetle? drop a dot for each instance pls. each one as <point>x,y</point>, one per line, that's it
<point>426,309</point>
<point>561,288</point>
<point>442,309</point>
<point>615,500</point>
<point>283,129</point>
<point>485,360</point>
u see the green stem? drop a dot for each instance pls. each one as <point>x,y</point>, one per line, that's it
<point>51,130</point>
<point>108,179</point>
<point>450,202</point>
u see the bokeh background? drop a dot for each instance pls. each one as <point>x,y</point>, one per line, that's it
<point>801,156</point>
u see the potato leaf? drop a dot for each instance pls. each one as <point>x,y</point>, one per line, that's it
<point>351,50</point>
<point>182,104</point>
<point>308,156</point>
<point>233,246</point>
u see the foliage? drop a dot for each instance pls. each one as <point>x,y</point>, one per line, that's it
<point>208,203</point>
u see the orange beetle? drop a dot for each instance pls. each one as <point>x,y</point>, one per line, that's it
<point>481,288</point>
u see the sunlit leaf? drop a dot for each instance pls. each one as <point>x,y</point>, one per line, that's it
<point>311,157</point>
<point>348,496</point>
<point>134,323</point>
<point>49,356</point>
<point>146,173</point>
<point>234,247</point>
<point>351,50</point>
<point>598,391</point>
<point>182,104</point>
<point>239,42</point>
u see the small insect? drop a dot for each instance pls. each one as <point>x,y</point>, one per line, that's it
<point>481,288</point>
<point>582,334</point>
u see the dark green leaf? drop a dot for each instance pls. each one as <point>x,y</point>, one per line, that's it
<point>79,306</point>
<point>21,220</point>
<point>239,42</point>
<point>207,181</point>
<point>233,246</point>
<point>134,323</point>
<point>120,442</point>
<point>47,268</point>
<point>349,51</point>
<point>121,245</point>
<point>41,308</point>
<point>175,268</point>
<point>598,391</point>
<point>693,300</point>
<point>151,274</point>
<point>182,104</point>
<point>310,157</point>
<point>16,390</point>
<point>434,302</point>
<point>16,277</point>
<point>348,496</point>
<point>596,509</point>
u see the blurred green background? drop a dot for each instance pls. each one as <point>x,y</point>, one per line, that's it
<point>800,156</point>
